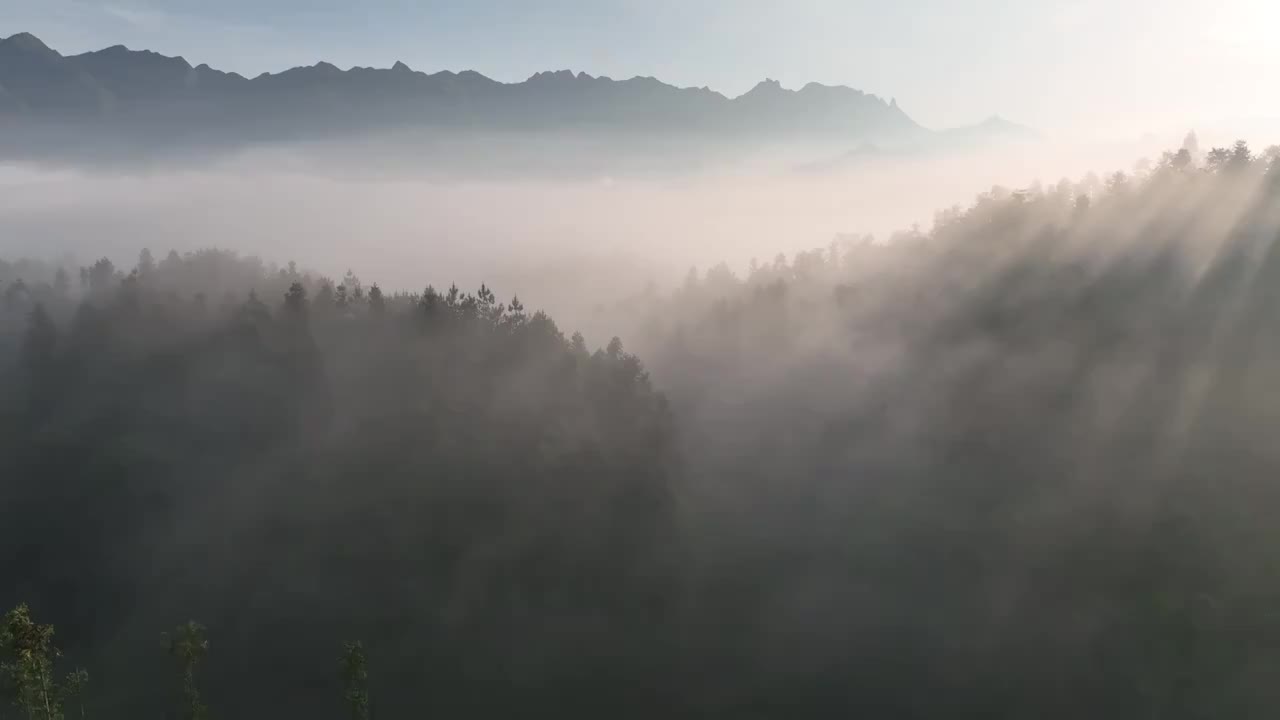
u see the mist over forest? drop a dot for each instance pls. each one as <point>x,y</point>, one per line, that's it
<point>583,414</point>
<point>578,242</point>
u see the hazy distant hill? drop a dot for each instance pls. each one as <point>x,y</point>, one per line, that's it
<point>992,132</point>
<point>993,129</point>
<point>141,99</point>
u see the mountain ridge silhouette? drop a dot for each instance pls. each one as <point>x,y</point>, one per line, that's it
<point>146,99</point>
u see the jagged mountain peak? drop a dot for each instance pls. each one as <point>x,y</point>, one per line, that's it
<point>768,86</point>
<point>547,76</point>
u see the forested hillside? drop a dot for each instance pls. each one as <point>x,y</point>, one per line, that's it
<point>446,477</point>
<point>1019,465</point>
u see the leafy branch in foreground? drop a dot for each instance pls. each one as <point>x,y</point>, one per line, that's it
<point>28,671</point>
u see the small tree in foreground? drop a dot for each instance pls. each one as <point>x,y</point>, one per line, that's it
<point>355,679</point>
<point>73,690</point>
<point>189,646</point>
<point>27,668</point>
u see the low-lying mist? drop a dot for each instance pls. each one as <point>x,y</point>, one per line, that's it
<point>568,222</point>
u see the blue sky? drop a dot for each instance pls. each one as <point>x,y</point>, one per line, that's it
<point>1087,66</point>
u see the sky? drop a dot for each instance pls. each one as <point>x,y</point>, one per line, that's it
<point>1096,68</point>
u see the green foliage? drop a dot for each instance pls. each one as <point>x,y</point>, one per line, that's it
<point>28,668</point>
<point>355,679</point>
<point>188,646</point>
<point>72,690</point>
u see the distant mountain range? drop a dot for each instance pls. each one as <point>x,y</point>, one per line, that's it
<point>144,98</point>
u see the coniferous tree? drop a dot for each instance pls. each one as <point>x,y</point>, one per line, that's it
<point>377,304</point>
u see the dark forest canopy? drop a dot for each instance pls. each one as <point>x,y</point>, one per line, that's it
<point>447,476</point>
<point>1018,465</point>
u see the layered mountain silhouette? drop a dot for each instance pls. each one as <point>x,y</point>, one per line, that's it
<point>142,98</point>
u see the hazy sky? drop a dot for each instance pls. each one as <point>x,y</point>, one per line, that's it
<point>1092,66</point>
